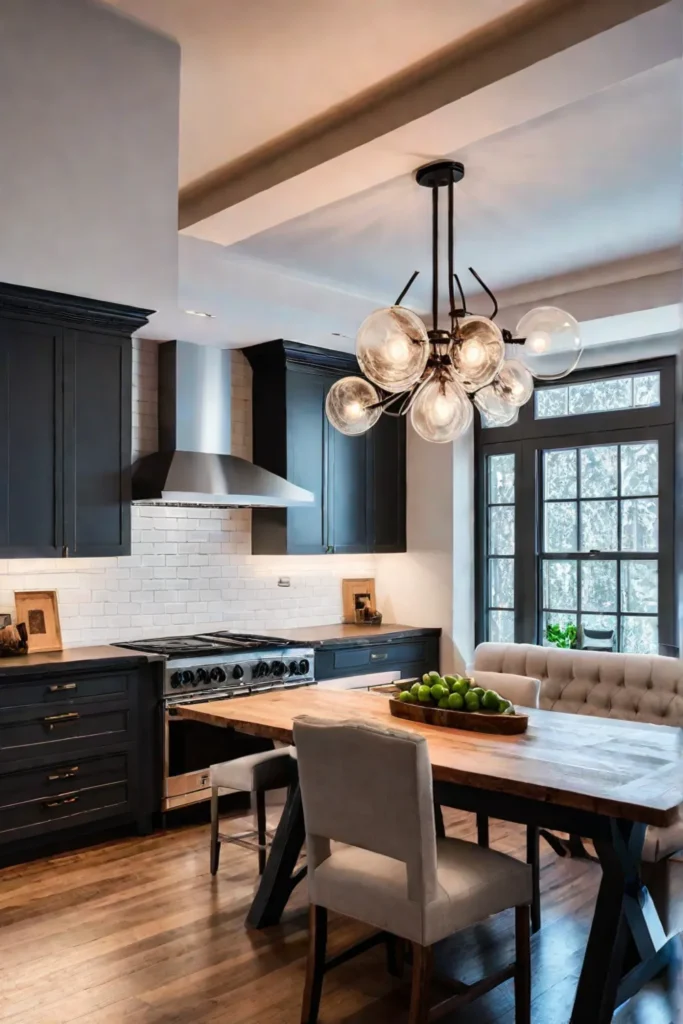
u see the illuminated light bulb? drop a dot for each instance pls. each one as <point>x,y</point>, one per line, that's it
<point>538,341</point>
<point>473,353</point>
<point>398,348</point>
<point>441,410</point>
<point>349,405</point>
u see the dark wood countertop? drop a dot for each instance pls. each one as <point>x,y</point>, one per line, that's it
<point>345,633</point>
<point>72,658</point>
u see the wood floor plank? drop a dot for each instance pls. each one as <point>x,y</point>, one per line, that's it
<point>137,932</point>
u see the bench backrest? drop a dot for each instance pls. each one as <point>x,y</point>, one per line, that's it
<point>639,687</point>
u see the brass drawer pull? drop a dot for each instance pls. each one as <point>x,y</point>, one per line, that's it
<point>52,720</point>
<point>62,802</point>
<point>64,773</point>
<point>57,687</point>
<point>379,657</point>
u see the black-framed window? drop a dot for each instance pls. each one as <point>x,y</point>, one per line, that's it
<point>590,500</point>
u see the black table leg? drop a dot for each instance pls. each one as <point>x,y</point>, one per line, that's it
<point>625,922</point>
<point>278,879</point>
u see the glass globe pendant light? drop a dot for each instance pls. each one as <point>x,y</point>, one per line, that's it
<point>553,345</point>
<point>480,354</point>
<point>514,384</point>
<point>438,374</point>
<point>349,405</point>
<point>441,411</point>
<point>495,410</point>
<point>392,348</point>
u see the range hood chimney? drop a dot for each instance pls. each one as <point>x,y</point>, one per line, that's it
<point>193,465</point>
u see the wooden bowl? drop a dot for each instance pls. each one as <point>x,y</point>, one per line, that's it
<point>475,721</point>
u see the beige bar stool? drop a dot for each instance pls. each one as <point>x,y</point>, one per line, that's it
<point>255,774</point>
<point>371,790</point>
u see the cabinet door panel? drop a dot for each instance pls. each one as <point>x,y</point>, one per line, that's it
<point>98,417</point>
<point>30,439</point>
<point>347,492</point>
<point>387,483</point>
<point>306,441</point>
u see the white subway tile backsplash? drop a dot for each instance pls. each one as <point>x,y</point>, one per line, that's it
<point>189,568</point>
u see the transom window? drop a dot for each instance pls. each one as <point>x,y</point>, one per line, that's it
<point>638,392</point>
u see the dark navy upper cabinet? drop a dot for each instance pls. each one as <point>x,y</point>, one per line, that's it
<point>359,482</point>
<point>65,423</point>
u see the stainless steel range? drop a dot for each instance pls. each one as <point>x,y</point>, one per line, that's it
<point>216,666</point>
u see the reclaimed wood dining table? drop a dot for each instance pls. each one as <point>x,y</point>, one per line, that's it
<point>603,779</point>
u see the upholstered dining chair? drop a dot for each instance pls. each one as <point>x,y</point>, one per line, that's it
<point>255,774</point>
<point>370,789</point>
<point>526,693</point>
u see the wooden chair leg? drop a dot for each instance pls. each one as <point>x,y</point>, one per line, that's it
<point>215,844</point>
<point>522,966</point>
<point>483,830</point>
<point>315,965</point>
<point>533,857</point>
<point>423,959</point>
<point>261,829</point>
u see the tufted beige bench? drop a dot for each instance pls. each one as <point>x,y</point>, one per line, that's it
<point>640,688</point>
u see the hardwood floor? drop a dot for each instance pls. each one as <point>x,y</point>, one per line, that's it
<point>137,932</point>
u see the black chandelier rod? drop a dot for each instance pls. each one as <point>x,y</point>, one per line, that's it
<point>435,259</point>
<point>403,294</point>
<point>451,256</point>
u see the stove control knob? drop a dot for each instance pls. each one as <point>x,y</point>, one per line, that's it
<point>237,672</point>
<point>202,676</point>
<point>278,668</point>
<point>218,675</point>
<point>176,680</point>
<point>293,668</point>
<point>262,669</point>
<point>303,666</point>
<point>188,678</point>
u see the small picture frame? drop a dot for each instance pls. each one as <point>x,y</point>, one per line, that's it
<point>358,599</point>
<point>39,612</point>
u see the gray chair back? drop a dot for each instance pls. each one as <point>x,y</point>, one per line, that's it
<point>371,788</point>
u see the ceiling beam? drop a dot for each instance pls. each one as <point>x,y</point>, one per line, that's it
<point>534,32</point>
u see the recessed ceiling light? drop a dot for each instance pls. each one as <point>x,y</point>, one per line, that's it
<point>198,312</point>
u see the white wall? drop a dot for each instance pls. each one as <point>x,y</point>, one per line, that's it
<point>433,584</point>
<point>89,154</point>
<point>189,568</point>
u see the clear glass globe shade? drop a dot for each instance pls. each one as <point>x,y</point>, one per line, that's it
<point>392,348</point>
<point>347,405</point>
<point>514,383</point>
<point>553,343</point>
<point>441,411</point>
<point>480,353</point>
<point>495,410</point>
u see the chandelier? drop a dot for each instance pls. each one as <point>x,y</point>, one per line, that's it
<point>438,374</point>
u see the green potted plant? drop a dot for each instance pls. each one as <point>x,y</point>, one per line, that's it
<point>560,636</point>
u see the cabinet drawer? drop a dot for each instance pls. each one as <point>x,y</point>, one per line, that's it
<point>69,809</point>
<point>63,688</point>
<point>60,777</point>
<point>379,655</point>
<point>33,732</point>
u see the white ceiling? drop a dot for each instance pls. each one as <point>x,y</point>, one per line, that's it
<point>253,72</point>
<point>573,162</point>
<point>597,181</point>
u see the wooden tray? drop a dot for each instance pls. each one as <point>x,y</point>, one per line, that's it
<point>474,721</point>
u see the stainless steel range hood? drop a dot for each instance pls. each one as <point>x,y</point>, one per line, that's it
<point>193,465</point>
